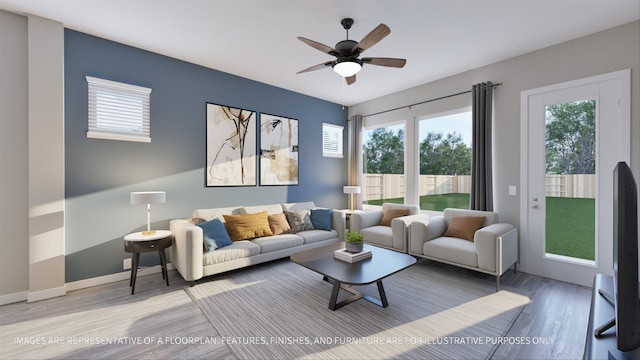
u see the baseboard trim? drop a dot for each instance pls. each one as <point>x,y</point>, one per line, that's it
<point>13,298</point>
<point>111,278</point>
<point>76,285</point>
<point>46,294</point>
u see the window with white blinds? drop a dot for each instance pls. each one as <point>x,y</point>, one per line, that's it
<point>118,111</point>
<point>331,140</point>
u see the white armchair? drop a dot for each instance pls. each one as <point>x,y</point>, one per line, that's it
<point>492,249</point>
<point>392,237</point>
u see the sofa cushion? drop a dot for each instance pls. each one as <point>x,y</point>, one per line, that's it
<point>214,235</point>
<point>312,236</point>
<point>321,219</point>
<point>271,209</point>
<point>307,205</point>
<point>248,226</point>
<point>464,227</point>
<point>215,213</point>
<point>279,224</point>
<point>299,220</point>
<point>454,250</point>
<point>237,250</point>
<point>390,214</point>
<point>277,242</point>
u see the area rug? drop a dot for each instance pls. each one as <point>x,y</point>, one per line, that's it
<point>280,311</point>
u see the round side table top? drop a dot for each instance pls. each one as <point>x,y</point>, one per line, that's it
<point>138,236</point>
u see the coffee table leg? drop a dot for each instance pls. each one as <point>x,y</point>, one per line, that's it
<point>383,295</point>
<point>334,295</point>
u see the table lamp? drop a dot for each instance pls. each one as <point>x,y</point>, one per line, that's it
<point>351,190</point>
<point>148,197</point>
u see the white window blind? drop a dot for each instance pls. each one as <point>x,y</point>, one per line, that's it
<point>118,111</point>
<point>331,140</point>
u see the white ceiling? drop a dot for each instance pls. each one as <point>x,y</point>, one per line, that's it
<point>256,39</point>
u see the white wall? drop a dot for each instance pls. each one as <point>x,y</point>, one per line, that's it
<point>14,211</point>
<point>32,263</point>
<point>46,158</point>
<point>599,53</point>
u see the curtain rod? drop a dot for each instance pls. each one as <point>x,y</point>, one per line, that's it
<point>424,102</point>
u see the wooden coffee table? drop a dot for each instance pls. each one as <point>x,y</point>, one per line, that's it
<point>343,274</point>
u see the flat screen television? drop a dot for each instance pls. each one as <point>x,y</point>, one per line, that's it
<point>626,296</point>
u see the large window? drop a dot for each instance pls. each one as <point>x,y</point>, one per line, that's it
<point>383,161</point>
<point>441,151</point>
<point>445,161</point>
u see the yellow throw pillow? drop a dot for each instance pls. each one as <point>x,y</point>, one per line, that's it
<point>247,226</point>
<point>464,227</point>
<point>391,214</point>
<point>279,224</point>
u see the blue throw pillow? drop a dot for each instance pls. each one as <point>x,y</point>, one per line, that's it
<point>321,218</point>
<point>214,235</point>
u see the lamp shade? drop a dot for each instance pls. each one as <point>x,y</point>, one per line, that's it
<point>148,197</point>
<point>347,68</point>
<point>351,189</point>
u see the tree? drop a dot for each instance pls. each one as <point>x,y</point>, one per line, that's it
<point>570,138</point>
<point>384,152</point>
<point>440,155</point>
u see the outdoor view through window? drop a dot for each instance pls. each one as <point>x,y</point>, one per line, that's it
<point>444,148</point>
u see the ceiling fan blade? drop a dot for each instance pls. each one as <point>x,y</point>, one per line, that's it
<point>351,79</point>
<point>391,62</point>
<point>316,45</point>
<point>372,38</point>
<point>316,67</point>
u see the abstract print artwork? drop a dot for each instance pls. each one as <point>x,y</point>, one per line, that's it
<point>231,146</point>
<point>278,150</point>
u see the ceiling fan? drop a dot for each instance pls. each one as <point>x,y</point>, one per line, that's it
<point>347,63</point>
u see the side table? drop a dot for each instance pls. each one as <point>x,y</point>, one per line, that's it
<point>137,243</point>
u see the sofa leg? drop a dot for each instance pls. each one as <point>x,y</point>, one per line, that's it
<point>498,283</point>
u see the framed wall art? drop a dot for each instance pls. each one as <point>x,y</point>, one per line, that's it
<point>278,150</point>
<point>231,146</point>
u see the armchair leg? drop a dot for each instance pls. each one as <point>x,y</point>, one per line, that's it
<point>498,283</point>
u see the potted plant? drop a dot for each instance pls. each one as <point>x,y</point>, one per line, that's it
<point>354,241</point>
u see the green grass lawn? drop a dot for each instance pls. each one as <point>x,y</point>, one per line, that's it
<point>571,227</point>
<point>570,221</point>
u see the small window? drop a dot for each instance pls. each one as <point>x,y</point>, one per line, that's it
<point>118,111</point>
<point>331,140</point>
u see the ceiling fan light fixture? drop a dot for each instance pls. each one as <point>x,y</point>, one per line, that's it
<point>347,68</point>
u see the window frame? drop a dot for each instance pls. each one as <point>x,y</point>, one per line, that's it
<point>338,131</point>
<point>137,97</point>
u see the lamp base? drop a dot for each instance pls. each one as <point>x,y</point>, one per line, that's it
<point>147,233</point>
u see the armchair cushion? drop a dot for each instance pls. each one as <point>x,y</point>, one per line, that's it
<point>464,227</point>
<point>391,214</point>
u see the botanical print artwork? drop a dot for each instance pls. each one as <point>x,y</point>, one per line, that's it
<point>231,146</point>
<point>278,150</point>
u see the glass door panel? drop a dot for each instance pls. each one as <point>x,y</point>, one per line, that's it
<point>570,179</point>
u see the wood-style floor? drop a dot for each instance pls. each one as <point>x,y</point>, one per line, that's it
<point>158,322</point>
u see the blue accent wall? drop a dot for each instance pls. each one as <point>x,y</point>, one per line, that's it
<point>100,174</point>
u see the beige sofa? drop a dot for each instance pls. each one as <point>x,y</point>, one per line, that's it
<point>192,262</point>
<point>492,249</point>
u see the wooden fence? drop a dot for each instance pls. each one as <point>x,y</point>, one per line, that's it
<point>389,186</point>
